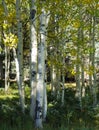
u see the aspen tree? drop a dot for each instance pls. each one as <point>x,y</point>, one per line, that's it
<point>33,60</point>
<point>46,17</point>
<point>7,51</point>
<point>41,72</point>
<point>20,57</point>
<point>78,56</point>
<point>93,62</point>
<point>90,56</point>
<point>78,85</point>
<point>92,69</point>
<point>63,89</point>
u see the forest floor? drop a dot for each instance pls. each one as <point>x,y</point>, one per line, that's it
<point>67,117</point>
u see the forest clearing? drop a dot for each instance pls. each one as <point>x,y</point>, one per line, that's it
<point>49,65</point>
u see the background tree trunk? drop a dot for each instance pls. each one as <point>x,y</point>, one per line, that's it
<point>78,73</point>
<point>7,55</point>
<point>93,62</point>
<point>20,56</point>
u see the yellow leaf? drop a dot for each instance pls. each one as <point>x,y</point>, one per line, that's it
<point>11,40</point>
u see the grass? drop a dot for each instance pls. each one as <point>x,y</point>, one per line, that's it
<point>11,117</point>
<point>29,126</point>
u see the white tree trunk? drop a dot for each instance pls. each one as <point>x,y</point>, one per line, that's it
<point>82,65</point>
<point>58,84</point>
<point>82,77</point>
<point>7,56</point>
<point>78,85</point>
<point>41,73</point>
<point>20,57</point>
<point>63,88</point>
<point>90,58</point>
<point>16,62</point>
<point>1,55</point>
<point>33,60</point>
<point>93,63</point>
<point>45,85</point>
<point>53,80</point>
<point>46,20</point>
<point>45,104</point>
<point>7,65</point>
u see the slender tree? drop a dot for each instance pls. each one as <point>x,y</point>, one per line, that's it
<point>7,51</point>
<point>41,72</point>
<point>46,17</point>
<point>93,61</point>
<point>33,60</point>
<point>20,56</point>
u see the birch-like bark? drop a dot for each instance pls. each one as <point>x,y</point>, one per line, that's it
<point>45,101</point>
<point>90,56</point>
<point>90,75</point>
<point>82,77</point>
<point>53,80</point>
<point>93,62</point>
<point>20,56</point>
<point>63,80</point>
<point>82,65</point>
<point>7,56</point>
<point>63,88</point>
<point>78,65</point>
<point>46,21</point>
<point>16,61</point>
<point>78,85</point>
<point>1,68</point>
<point>6,69</point>
<point>58,84</point>
<point>41,72</point>
<point>33,60</point>
<point>2,55</point>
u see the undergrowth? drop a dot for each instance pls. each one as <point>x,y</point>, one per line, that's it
<point>67,117</point>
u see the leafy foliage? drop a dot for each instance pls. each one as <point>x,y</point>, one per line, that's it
<point>70,114</point>
<point>11,40</point>
<point>70,27</point>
